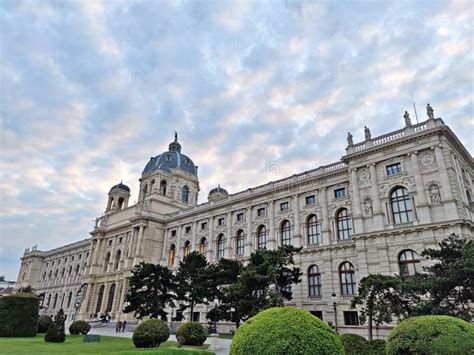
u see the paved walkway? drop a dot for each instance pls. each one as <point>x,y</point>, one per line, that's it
<point>109,330</point>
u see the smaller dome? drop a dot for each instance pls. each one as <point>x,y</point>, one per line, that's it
<point>218,189</point>
<point>120,186</point>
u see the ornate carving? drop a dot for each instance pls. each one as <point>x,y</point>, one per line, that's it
<point>364,176</point>
<point>435,195</point>
<point>427,160</point>
<point>368,206</point>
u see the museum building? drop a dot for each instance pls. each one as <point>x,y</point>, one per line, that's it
<point>374,211</point>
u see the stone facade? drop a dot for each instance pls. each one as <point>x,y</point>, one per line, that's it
<point>388,198</point>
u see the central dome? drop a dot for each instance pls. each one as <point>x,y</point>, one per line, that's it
<point>172,159</point>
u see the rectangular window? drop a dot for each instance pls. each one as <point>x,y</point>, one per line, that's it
<point>221,221</point>
<point>339,193</point>
<point>318,314</point>
<point>188,230</point>
<point>196,316</point>
<point>203,226</point>
<point>173,233</point>
<point>120,240</point>
<point>240,217</point>
<point>351,318</point>
<point>284,206</point>
<point>310,200</point>
<point>393,169</point>
<point>261,211</point>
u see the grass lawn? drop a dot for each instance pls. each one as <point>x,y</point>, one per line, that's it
<point>75,345</point>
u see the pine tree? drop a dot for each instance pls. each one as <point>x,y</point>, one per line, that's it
<point>56,332</point>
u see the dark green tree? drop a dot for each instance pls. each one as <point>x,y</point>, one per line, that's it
<point>151,291</point>
<point>193,284</point>
<point>26,289</point>
<point>264,282</point>
<point>447,285</point>
<point>56,332</point>
<point>379,296</point>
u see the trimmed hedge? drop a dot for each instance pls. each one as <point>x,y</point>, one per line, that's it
<point>191,333</point>
<point>19,315</point>
<point>431,335</point>
<point>354,344</point>
<point>376,347</point>
<point>285,330</point>
<point>56,332</point>
<point>44,322</point>
<point>79,327</point>
<point>150,334</point>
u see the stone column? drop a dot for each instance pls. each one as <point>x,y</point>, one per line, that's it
<point>448,200</point>
<point>228,237</point>
<point>194,231</point>
<point>179,247</point>
<point>121,300</point>
<point>357,213</point>
<point>249,240</point>
<point>138,251</point>
<point>272,243</point>
<point>298,239</point>
<point>325,231</point>
<point>376,204</point>
<point>422,208</point>
<point>210,239</point>
<point>164,252</point>
<point>96,250</point>
<point>85,305</point>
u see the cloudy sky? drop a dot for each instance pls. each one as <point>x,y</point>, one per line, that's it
<point>257,90</point>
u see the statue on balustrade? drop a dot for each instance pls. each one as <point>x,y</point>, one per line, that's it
<point>349,139</point>
<point>430,112</point>
<point>367,133</point>
<point>406,116</point>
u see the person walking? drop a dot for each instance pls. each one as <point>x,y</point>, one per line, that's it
<point>118,326</point>
<point>124,324</point>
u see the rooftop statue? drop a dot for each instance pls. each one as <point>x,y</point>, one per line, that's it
<point>407,119</point>
<point>367,133</point>
<point>429,112</point>
<point>349,139</point>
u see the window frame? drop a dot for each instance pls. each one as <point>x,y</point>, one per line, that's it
<point>314,282</point>
<point>261,237</point>
<point>344,227</point>
<point>338,192</point>
<point>309,198</point>
<point>405,264</point>
<point>313,230</point>
<point>286,235</point>
<point>220,246</point>
<point>240,243</point>
<point>394,169</point>
<point>347,279</point>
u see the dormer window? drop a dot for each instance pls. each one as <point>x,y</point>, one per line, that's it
<point>284,206</point>
<point>221,221</point>
<point>261,212</point>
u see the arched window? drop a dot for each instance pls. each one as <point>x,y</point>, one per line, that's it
<point>402,211</point>
<point>202,245</point>
<point>348,284</point>
<point>285,233</point>
<point>261,237</point>
<point>314,281</point>
<point>220,246</point>
<point>185,194</point>
<point>69,298</point>
<point>240,243</point>
<point>171,255</point>
<point>55,300</point>
<point>186,249</point>
<point>409,263</point>
<point>163,187</point>
<point>99,299</point>
<point>49,300</point>
<point>152,184</point>
<point>312,227</point>
<point>117,259</point>
<point>77,271</point>
<point>106,262</point>
<point>121,203</point>
<point>110,301</point>
<point>344,224</point>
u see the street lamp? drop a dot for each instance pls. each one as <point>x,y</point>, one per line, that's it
<point>216,303</point>
<point>334,305</point>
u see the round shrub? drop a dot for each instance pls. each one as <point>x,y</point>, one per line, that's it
<point>150,334</point>
<point>354,344</point>
<point>376,347</point>
<point>19,315</point>
<point>79,327</point>
<point>431,335</point>
<point>44,323</point>
<point>191,333</point>
<point>285,330</point>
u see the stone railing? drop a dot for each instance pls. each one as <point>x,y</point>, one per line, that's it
<point>395,135</point>
<point>274,185</point>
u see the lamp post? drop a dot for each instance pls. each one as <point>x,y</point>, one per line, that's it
<point>334,305</point>
<point>216,303</point>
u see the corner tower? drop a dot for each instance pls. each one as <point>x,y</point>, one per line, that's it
<point>171,177</point>
<point>118,197</point>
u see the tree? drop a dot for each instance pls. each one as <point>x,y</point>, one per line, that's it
<point>56,332</point>
<point>151,291</point>
<point>26,289</point>
<point>263,283</point>
<point>380,298</point>
<point>447,286</point>
<point>192,281</point>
